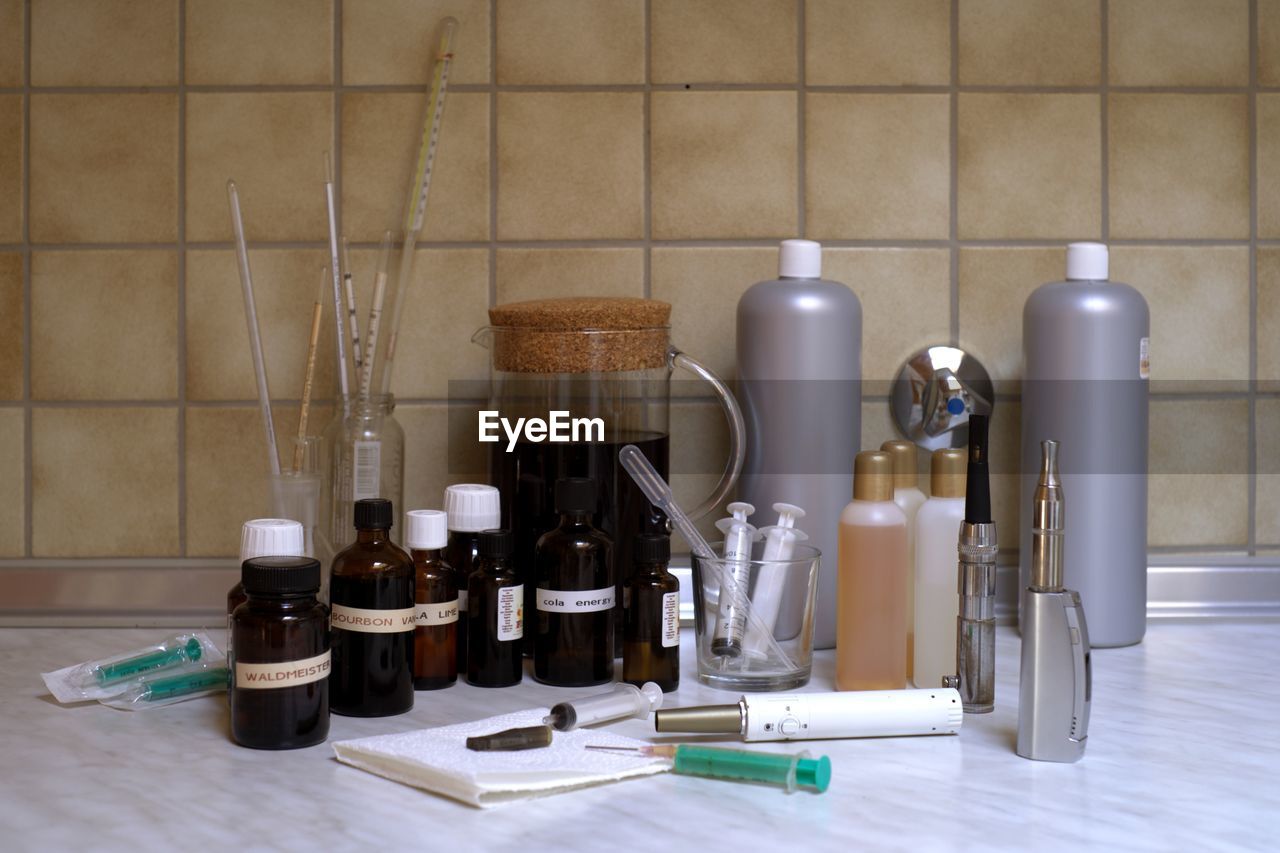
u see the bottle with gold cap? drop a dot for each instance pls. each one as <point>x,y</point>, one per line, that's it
<point>871,601</point>
<point>909,498</point>
<point>936,605</point>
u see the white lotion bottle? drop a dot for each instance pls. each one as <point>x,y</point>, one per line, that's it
<point>909,498</point>
<point>936,604</point>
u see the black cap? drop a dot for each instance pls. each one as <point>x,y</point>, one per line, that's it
<point>653,548</point>
<point>496,543</point>
<point>576,494</point>
<point>374,514</point>
<point>280,575</point>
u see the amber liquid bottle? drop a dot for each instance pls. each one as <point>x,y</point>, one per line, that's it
<point>495,608</point>
<point>871,590</point>
<point>471,508</point>
<point>575,591</point>
<point>651,646</point>
<point>435,633</point>
<point>280,656</point>
<point>372,619</point>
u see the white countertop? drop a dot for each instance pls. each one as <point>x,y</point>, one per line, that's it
<point>1183,752</point>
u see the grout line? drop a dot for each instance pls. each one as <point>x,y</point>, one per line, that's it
<point>1104,121</point>
<point>492,243</point>
<point>646,165</point>
<point>953,189</point>
<point>1252,517</point>
<point>802,159</point>
<point>182,278</point>
<point>28,442</point>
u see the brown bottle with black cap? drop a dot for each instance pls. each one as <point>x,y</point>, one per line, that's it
<point>651,647</point>
<point>495,616</point>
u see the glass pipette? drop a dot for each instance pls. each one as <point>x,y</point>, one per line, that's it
<point>170,654</point>
<point>785,771</point>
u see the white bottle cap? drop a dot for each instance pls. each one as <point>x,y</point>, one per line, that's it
<point>472,507</point>
<point>1087,262</point>
<point>271,537</point>
<point>425,529</point>
<point>800,259</point>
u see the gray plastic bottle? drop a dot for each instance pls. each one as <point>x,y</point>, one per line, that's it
<point>1085,385</point>
<point>800,387</point>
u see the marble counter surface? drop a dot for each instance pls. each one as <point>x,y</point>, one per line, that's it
<point>1184,753</point>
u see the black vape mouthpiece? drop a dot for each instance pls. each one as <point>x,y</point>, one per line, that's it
<point>977,498</point>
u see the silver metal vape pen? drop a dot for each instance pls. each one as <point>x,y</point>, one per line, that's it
<point>1054,688</point>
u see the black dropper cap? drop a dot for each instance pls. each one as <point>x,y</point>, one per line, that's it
<point>496,544</point>
<point>977,498</point>
<point>280,575</point>
<point>653,548</point>
<point>374,514</point>
<point>576,494</point>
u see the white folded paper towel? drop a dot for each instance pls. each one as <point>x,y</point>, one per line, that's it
<point>438,760</point>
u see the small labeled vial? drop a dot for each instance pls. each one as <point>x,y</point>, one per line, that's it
<point>651,646</point>
<point>471,508</point>
<point>573,567</point>
<point>435,633</point>
<point>280,658</point>
<point>495,620</point>
<point>372,617</point>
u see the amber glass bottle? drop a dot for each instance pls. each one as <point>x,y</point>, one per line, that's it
<point>435,646</point>
<point>371,599</point>
<point>651,647</point>
<point>280,656</point>
<point>471,508</point>
<point>495,615</point>
<point>573,567</point>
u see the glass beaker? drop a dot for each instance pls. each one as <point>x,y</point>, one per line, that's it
<point>606,364</point>
<point>364,450</point>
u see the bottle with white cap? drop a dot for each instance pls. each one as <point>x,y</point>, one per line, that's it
<point>799,340</point>
<point>470,508</point>
<point>1085,385</point>
<point>435,595</point>
<point>264,537</point>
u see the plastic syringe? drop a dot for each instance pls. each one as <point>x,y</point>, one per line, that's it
<point>168,655</point>
<point>785,771</point>
<point>779,545</point>
<point>620,703</point>
<point>731,617</point>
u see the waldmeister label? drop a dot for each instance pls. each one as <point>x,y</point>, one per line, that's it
<point>290,673</point>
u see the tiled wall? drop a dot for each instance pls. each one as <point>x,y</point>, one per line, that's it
<point>943,151</point>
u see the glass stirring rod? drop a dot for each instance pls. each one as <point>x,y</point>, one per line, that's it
<point>785,771</point>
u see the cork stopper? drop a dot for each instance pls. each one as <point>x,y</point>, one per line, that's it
<point>905,470</point>
<point>873,476</point>
<point>946,472</point>
<point>580,335</point>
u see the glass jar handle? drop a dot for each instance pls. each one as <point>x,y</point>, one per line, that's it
<point>737,431</point>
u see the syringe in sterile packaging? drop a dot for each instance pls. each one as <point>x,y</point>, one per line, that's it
<point>819,716</point>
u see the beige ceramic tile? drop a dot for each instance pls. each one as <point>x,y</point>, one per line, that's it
<point>1267,526</point>
<point>1199,301</point>
<point>570,42</point>
<point>1178,42</point>
<point>105,482</point>
<point>1269,42</point>
<point>1269,319</point>
<point>877,42</point>
<point>1029,166</point>
<point>440,450</point>
<point>11,168</point>
<point>1268,166</point>
<point>877,166</point>
<point>272,144</point>
<point>994,285</point>
<point>703,287</point>
<point>104,168</point>
<point>699,452</point>
<point>1030,42</point>
<point>394,41</point>
<point>547,273</point>
<point>570,165</point>
<point>286,282</point>
<point>226,471</point>
<point>878,427</point>
<point>246,42</point>
<point>906,304</point>
<point>1199,481</point>
<point>1179,166</point>
<point>447,302</point>
<point>723,164</point>
<point>104,325</point>
<point>104,43</point>
<point>380,138</point>
<point>12,56</point>
<point>10,326</point>
<point>13,521</point>
<point>723,41</point>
